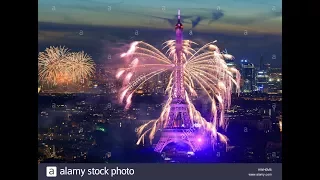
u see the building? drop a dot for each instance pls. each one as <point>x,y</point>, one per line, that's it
<point>247,71</point>
<point>261,68</point>
<point>273,152</point>
<point>262,80</point>
<point>275,81</point>
<point>264,66</point>
<point>265,124</point>
<point>231,64</point>
<point>267,67</point>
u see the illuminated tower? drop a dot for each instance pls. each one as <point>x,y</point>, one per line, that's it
<point>179,123</point>
<point>248,75</point>
<point>179,116</point>
<point>179,88</point>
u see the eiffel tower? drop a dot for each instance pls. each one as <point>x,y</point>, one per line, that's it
<point>179,127</point>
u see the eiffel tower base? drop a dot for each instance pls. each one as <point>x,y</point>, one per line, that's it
<point>194,140</point>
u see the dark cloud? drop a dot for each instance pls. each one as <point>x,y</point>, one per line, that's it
<point>171,21</point>
<point>222,16</point>
<point>196,21</point>
<point>215,16</point>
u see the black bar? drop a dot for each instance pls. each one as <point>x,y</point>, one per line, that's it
<point>166,171</point>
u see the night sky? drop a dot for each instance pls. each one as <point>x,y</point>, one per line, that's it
<point>246,28</point>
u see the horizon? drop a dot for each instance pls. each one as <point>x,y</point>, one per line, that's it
<point>246,28</point>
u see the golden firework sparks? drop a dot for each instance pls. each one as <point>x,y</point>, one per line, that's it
<point>56,65</point>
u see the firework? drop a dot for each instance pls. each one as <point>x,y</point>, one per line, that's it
<point>191,71</point>
<point>56,65</point>
<point>204,69</point>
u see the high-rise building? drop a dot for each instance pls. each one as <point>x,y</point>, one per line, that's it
<point>261,68</point>
<point>267,67</point>
<point>275,81</point>
<point>248,76</point>
<point>231,64</point>
<point>262,81</point>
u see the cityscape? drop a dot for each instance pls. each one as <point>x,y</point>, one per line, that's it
<point>71,125</point>
<point>201,107</point>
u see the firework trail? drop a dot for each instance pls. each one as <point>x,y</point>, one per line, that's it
<point>56,65</point>
<point>203,70</point>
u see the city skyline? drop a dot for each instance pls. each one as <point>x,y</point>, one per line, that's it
<point>66,120</point>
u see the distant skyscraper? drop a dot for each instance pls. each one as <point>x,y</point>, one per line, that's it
<point>267,67</point>
<point>248,75</point>
<point>261,68</point>
<point>231,64</point>
<point>262,81</point>
<point>275,80</point>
